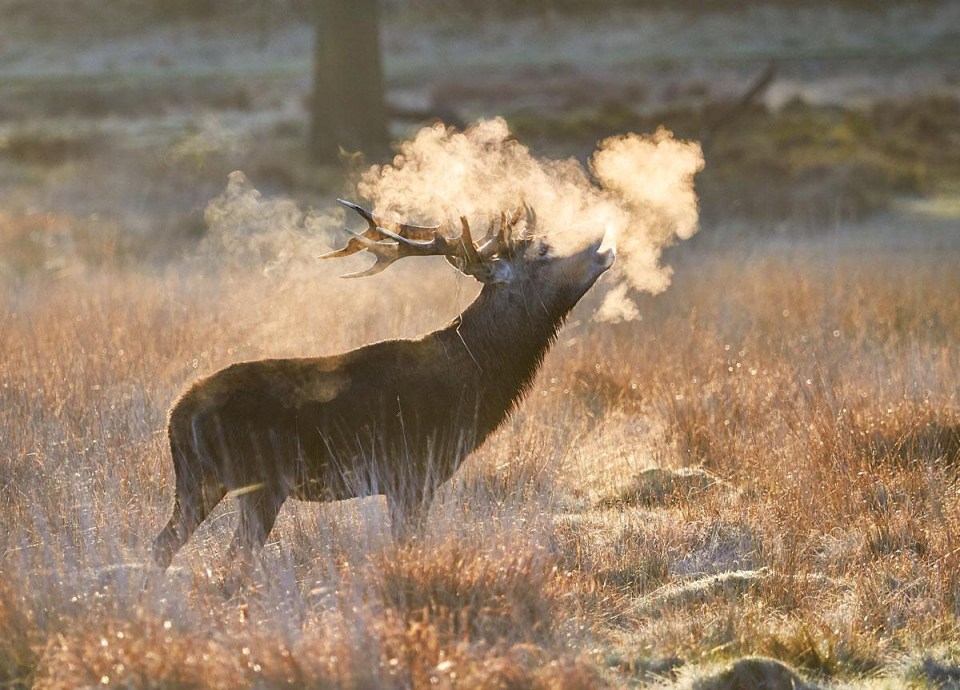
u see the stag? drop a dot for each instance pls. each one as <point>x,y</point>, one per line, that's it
<point>394,418</point>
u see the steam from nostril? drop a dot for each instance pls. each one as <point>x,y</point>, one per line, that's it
<point>639,189</point>
<point>606,256</point>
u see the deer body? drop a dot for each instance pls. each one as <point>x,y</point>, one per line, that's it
<point>395,417</point>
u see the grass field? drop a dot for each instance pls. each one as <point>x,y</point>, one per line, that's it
<point>765,464</point>
<point>754,485</point>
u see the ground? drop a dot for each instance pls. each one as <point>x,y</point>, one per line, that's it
<point>755,483</point>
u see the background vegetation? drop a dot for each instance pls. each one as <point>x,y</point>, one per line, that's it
<point>757,482</point>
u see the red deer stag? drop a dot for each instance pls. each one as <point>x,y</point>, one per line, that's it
<point>394,418</point>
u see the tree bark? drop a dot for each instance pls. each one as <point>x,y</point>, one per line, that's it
<point>347,106</point>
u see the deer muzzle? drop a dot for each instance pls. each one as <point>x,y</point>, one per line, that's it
<point>599,259</point>
<point>606,256</point>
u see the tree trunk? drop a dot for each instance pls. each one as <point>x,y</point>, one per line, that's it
<point>347,108</point>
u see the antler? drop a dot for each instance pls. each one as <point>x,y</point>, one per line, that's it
<point>388,245</point>
<point>501,241</point>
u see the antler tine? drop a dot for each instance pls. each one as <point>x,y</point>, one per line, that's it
<point>470,253</point>
<point>500,243</point>
<point>491,231</point>
<point>359,241</point>
<point>352,248</point>
<point>489,246</point>
<point>376,232</point>
<point>385,255</point>
<point>364,213</point>
<point>517,213</point>
<point>373,270</point>
<point>407,231</point>
<point>397,237</point>
<point>531,214</point>
<point>510,222</point>
<point>439,245</point>
<point>399,240</point>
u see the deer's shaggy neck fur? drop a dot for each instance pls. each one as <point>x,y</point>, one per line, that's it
<point>505,334</point>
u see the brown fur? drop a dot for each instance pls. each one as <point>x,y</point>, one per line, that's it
<point>395,417</point>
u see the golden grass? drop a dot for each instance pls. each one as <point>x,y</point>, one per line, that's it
<point>816,383</point>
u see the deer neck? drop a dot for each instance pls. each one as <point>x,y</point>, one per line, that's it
<point>504,337</point>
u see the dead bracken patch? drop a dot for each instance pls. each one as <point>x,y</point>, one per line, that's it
<point>698,591</point>
<point>472,594</point>
<point>923,443</point>
<point>661,486</point>
<point>753,673</point>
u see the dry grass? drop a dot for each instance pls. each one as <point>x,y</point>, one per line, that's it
<point>808,392</point>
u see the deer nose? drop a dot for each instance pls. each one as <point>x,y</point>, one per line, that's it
<point>606,256</point>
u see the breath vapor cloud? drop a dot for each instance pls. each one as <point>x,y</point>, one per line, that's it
<point>637,192</point>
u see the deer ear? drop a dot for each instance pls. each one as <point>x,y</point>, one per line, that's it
<point>498,271</point>
<point>489,272</point>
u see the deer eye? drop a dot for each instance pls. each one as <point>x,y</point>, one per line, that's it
<point>542,249</point>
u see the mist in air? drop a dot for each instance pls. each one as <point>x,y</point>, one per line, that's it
<point>637,192</point>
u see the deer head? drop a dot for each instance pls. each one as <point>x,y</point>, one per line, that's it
<point>509,258</point>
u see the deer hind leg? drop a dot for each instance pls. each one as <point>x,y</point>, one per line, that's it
<point>197,494</point>
<point>258,512</point>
